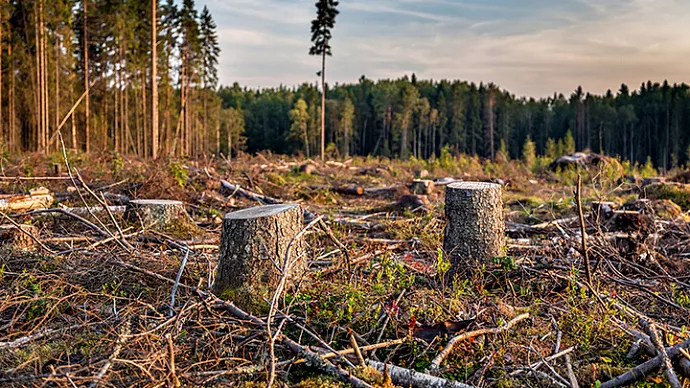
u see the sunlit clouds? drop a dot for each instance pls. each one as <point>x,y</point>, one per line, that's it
<point>530,47</point>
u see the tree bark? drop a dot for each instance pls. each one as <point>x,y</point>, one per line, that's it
<point>87,128</point>
<point>476,228</point>
<point>154,81</point>
<point>254,245</point>
<point>323,106</point>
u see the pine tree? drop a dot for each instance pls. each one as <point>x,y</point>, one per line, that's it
<point>347,114</point>
<point>208,42</point>
<point>326,12</point>
<point>298,129</point>
<point>529,153</point>
<point>569,143</point>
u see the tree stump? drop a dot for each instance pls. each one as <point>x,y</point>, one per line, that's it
<point>475,229</point>
<point>253,247</point>
<point>422,187</point>
<point>161,215</point>
<point>19,238</point>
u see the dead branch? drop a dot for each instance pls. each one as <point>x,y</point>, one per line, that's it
<point>669,373</point>
<point>646,369</point>
<point>436,362</point>
<point>409,378</point>
<point>231,189</point>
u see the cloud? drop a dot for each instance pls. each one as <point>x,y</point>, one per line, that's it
<point>531,47</point>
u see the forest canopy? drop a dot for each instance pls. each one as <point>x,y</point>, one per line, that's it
<point>52,50</point>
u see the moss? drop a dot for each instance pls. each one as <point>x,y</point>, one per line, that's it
<point>678,193</point>
<point>251,299</point>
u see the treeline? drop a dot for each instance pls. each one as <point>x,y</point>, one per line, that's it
<point>410,117</point>
<point>110,79</point>
<point>54,51</point>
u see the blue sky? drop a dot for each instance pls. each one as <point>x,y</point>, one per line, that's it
<point>530,47</point>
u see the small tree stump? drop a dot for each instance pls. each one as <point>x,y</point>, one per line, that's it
<point>19,238</point>
<point>161,215</point>
<point>475,229</point>
<point>253,247</point>
<point>422,187</point>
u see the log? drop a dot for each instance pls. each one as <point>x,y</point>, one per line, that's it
<point>40,198</point>
<point>253,248</point>
<point>161,215</point>
<point>345,190</point>
<point>475,229</point>
<point>230,189</point>
<point>409,378</point>
<point>19,237</point>
<point>422,187</point>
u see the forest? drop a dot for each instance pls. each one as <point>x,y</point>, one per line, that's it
<point>51,50</point>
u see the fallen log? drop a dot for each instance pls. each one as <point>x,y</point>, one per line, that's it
<point>40,198</point>
<point>381,191</point>
<point>231,190</point>
<point>409,378</point>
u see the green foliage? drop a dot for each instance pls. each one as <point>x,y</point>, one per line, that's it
<point>551,149</point>
<point>117,163</point>
<point>569,143</point>
<point>179,172</point>
<point>529,153</point>
<point>648,170</point>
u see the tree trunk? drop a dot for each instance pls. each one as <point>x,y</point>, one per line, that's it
<point>154,81</point>
<point>44,72</point>
<point>87,127</point>
<point>12,129</point>
<point>2,123</point>
<point>57,85</point>
<point>475,231</point>
<point>38,87</point>
<point>323,106</point>
<point>255,245</point>
<point>161,215</point>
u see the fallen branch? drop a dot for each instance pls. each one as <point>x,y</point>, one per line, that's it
<point>227,187</point>
<point>409,378</point>
<point>645,369</point>
<point>436,363</point>
<point>669,373</point>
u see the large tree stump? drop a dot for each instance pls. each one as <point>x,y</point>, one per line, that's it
<point>161,215</point>
<point>475,229</point>
<point>253,247</point>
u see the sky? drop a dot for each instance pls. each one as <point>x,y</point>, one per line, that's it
<point>529,47</point>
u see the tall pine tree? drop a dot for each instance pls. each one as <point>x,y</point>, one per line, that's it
<point>326,11</point>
